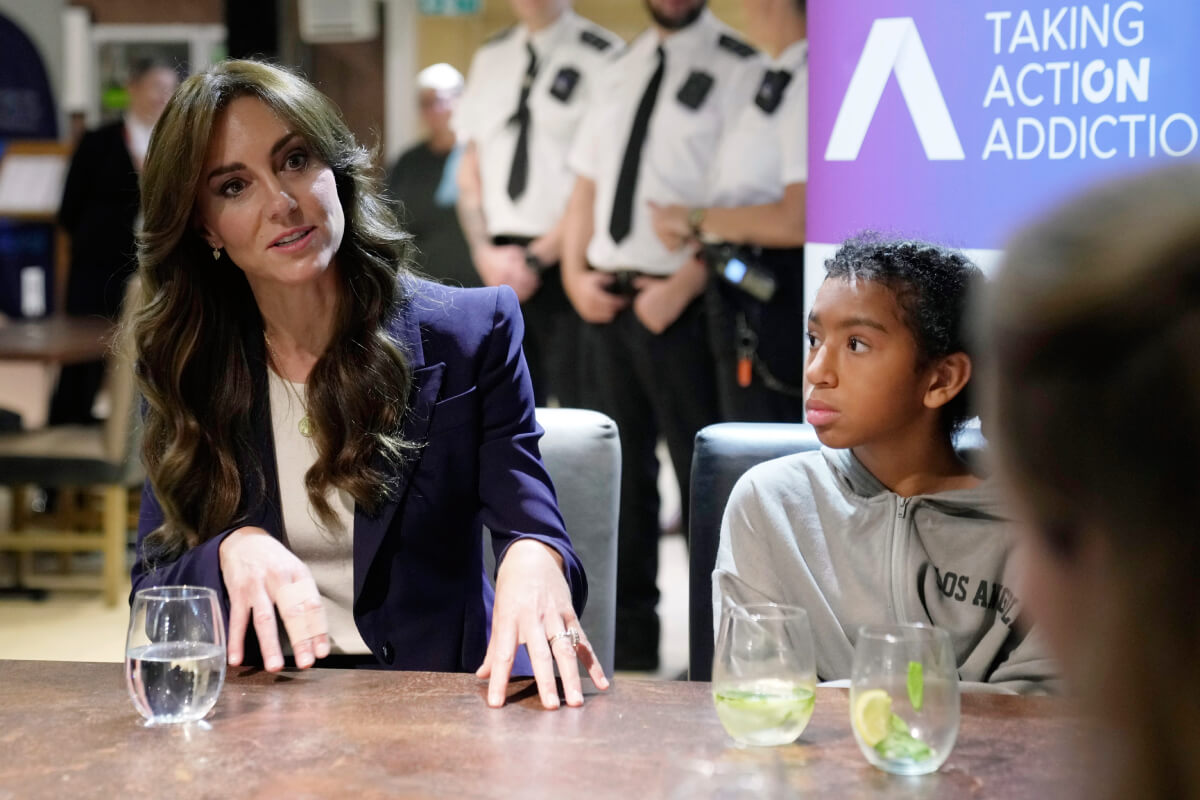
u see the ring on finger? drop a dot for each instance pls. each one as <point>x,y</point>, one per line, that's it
<point>570,634</point>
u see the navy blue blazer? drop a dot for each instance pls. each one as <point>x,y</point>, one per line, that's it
<point>422,600</point>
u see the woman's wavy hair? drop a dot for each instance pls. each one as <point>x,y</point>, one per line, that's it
<point>199,333</point>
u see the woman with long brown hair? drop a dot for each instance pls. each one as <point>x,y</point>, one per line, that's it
<point>1094,324</point>
<point>325,433</point>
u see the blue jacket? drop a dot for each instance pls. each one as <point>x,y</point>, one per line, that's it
<point>422,600</point>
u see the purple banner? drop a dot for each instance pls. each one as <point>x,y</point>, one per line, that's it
<point>959,120</point>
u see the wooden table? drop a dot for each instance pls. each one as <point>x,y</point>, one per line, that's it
<point>57,339</point>
<point>69,729</point>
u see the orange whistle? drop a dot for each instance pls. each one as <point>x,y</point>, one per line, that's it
<point>745,372</point>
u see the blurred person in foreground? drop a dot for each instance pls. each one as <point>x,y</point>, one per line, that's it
<point>100,213</point>
<point>423,182</point>
<point>1093,323</point>
<point>326,434</point>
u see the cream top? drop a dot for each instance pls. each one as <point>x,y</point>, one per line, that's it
<point>328,552</point>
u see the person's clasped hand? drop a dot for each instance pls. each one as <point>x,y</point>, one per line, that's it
<point>533,608</point>
<point>671,225</point>
<point>260,575</point>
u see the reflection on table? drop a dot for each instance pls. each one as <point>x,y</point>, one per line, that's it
<point>71,728</point>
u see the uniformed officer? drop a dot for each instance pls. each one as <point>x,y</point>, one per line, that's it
<point>754,229</point>
<point>651,135</point>
<point>526,93</point>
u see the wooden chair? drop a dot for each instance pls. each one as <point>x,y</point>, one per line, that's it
<point>104,457</point>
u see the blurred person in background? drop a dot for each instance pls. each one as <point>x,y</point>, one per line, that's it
<point>651,134</point>
<point>754,225</point>
<point>526,93</point>
<point>1092,326</point>
<point>423,182</point>
<point>100,212</point>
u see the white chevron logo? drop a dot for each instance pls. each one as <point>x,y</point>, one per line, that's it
<point>894,45</point>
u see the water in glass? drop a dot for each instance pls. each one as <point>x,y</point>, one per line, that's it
<point>175,653</point>
<point>904,697</point>
<point>764,673</point>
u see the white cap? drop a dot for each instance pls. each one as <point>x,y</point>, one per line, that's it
<point>440,78</point>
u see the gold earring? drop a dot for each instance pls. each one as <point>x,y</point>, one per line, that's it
<point>216,254</point>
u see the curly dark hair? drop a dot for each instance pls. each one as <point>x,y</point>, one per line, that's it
<point>932,286</point>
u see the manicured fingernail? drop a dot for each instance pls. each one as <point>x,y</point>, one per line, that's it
<point>304,660</point>
<point>576,698</point>
<point>274,663</point>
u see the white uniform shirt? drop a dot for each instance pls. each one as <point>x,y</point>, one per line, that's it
<point>765,151</point>
<point>571,54</point>
<point>681,144</point>
<point>328,552</point>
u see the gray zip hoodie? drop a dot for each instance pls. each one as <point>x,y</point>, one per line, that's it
<point>819,531</point>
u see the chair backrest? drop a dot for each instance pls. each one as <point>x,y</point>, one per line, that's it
<point>583,456</point>
<point>723,454</point>
<point>123,428</point>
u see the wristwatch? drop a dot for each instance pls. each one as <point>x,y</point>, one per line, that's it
<point>695,219</point>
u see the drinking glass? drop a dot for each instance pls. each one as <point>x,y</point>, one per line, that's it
<point>904,704</point>
<point>764,673</point>
<point>175,653</point>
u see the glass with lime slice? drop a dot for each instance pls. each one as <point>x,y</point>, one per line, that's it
<point>904,701</point>
<point>764,673</point>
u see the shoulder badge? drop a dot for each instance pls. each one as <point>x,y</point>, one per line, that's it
<point>593,39</point>
<point>735,46</point>
<point>500,35</point>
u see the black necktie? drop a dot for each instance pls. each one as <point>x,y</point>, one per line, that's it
<point>518,176</point>
<point>622,212</point>
<point>770,91</point>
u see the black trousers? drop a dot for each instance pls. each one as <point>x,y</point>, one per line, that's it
<point>551,341</point>
<point>778,329</point>
<point>649,384</point>
<point>74,394</point>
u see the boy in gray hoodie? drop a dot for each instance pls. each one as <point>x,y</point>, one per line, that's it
<point>886,523</point>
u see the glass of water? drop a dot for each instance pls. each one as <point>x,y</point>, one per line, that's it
<point>175,653</point>
<point>764,673</point>
<point>904,701</point>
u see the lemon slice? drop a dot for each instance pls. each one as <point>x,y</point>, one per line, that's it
<point>871,715</point>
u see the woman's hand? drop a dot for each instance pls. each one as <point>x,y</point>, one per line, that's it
<point>533,606</point>
<point>261,574</point>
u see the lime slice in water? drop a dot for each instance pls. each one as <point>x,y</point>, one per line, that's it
<point>916,684</point>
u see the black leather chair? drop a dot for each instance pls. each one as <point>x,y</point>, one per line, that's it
<point>723,454</point>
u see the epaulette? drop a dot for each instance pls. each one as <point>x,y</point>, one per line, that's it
<point>736,46</point>
<point>595,40</point>
<point>500,35</point>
